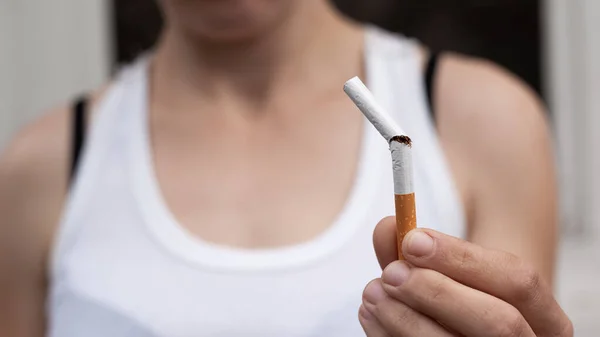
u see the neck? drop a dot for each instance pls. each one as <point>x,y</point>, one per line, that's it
<point>306,46</point>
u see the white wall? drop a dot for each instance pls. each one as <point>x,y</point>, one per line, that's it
<point>592,28</point>
<point>573,51</point>
<point>49,50</point>
<point>573,54</point>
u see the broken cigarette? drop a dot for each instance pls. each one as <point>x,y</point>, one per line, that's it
<point>400,147</point>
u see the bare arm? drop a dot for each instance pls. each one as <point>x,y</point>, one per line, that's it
<point>494,130</point>
<point>32,187</point>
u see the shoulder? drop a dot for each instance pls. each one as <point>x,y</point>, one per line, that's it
<point>39,155</point>
<point>471,88</point>
<point>494,130</point>
<point>36,158</point>
<point>39,149</point>
<point>488,112</point>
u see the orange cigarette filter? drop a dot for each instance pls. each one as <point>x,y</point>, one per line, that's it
<point>406,217</point>
<point>401,150</point>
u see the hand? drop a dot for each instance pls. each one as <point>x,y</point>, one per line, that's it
<point>449,287</point>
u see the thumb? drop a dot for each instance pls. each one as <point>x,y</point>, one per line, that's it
<point>384,241</point>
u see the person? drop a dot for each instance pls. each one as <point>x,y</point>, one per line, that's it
<point>223,185</point>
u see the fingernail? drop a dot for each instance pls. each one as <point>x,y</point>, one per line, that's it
<point>418,244</point>
<point>374,292</point>
<point>396,274</point>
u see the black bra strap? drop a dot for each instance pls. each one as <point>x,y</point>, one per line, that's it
<point>78,127</point>
<point>430,72</point>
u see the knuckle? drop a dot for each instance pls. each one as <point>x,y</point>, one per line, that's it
<point>465,259</point>
<point>528,284</point>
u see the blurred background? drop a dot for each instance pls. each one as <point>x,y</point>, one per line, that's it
<point>51,51</point>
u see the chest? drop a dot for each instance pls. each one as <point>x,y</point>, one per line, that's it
<point>272,184</point>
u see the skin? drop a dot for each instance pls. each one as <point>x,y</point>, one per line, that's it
<point>450,287</point>
<point>271,69</point>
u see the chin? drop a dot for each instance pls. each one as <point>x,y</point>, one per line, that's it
<point>227,20</point>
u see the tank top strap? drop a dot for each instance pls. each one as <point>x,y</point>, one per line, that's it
<point>103,122</point>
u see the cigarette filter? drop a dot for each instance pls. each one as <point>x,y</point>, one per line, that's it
<point>400,148</point>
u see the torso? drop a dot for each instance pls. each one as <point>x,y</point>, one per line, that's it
<point>141,252</point>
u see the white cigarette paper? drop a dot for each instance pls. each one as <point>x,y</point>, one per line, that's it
<point>400,147</point>
<point>381,120</point>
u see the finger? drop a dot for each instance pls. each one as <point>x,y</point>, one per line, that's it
<point>370,324</point>
<point>497,273</point>
<point>396,318</point>
<point>465,310</point>
<point>385,242</point>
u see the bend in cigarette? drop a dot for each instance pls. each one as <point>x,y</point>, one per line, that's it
<point>375,113</point>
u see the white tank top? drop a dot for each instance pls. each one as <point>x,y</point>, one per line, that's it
<point>123,267</point>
